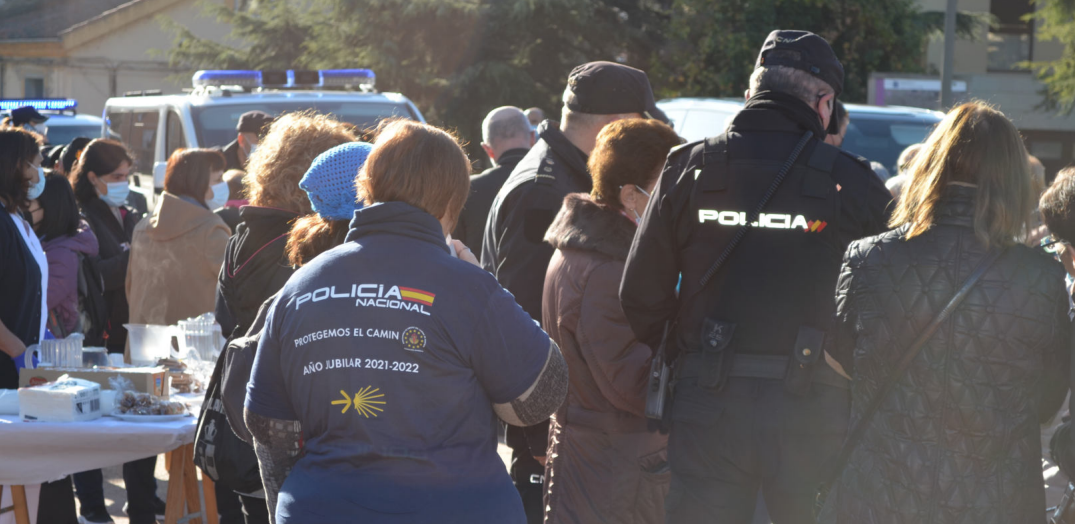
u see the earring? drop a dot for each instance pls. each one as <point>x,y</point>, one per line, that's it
<point>637,216</point>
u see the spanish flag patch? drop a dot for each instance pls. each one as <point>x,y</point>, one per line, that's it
<point>417,295</point>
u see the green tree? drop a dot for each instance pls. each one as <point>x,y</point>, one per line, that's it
<point>456,59</point>
<point>272,36</point>
<point>714,43</point>
<point>1055,19</point>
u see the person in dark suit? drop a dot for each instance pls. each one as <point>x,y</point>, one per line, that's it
<point>506,137</point>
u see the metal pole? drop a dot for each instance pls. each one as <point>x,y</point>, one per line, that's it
<point>949,55</point>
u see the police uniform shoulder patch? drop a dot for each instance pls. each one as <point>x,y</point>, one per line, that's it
<point>544,174</point>
<point>859,159</point>
<point>414,339</point>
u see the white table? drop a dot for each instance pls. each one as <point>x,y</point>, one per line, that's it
<point>36,452</point>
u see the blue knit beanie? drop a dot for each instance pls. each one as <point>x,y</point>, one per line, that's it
<point>330,181</point>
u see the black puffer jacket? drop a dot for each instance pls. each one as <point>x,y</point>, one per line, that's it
<point>958,440</point>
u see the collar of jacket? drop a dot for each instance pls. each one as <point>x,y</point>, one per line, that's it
<point>176,215</point>
<point>586,225</point>
<point>100,210</point>
<point>399,219</point>
<point>793,114</point>
<point>573,157</point>
<point>511,156</point>
<point>956,206</point>
<point>82,241</point>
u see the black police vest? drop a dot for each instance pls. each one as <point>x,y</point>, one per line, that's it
<point>782,275</point>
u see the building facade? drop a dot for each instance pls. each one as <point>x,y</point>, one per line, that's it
<point>987,68</point>
<point>90,50</point>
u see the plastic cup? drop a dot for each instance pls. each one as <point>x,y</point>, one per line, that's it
<point>149,343</point>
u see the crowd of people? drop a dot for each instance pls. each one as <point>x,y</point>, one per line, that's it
<point>757,325</point>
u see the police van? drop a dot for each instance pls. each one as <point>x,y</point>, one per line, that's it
<point>64,123</point>
<point>153,126</point>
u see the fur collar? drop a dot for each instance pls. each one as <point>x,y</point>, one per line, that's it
<point>585,225</point>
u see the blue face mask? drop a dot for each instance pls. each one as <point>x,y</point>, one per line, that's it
<point>117,193</point>
<point>39,187</point>
<point>220,196</point>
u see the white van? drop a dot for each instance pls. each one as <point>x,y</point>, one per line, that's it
<point>875,133</point>
<point>153,126</point>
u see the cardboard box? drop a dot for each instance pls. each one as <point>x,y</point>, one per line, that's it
<point>146,380</point>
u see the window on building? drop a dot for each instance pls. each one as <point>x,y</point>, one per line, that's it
<point>1012,40</point>
<point>33,88</point>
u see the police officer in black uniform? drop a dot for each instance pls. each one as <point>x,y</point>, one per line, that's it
<point>251,125</point>
<point>514,248</point>
<point>756,406</point>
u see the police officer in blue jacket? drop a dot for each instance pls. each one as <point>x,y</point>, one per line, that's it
<point>756,406</point>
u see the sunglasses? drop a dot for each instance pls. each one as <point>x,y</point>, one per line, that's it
<point>1054,246</point>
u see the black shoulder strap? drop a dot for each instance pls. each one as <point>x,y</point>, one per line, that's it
<point>855,436</point>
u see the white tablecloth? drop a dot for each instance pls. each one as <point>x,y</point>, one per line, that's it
<point>36,452</point>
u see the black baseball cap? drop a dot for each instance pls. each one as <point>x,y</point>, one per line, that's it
<point>253,122</point>
<point>608,88</point>
<point>27,114</point>
<point>802,50</point>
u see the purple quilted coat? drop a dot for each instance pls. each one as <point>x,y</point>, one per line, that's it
<point>62,254</point>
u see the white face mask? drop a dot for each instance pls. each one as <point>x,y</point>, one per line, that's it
<point>220,196</point>
<point>39,187</point>
<point>117,193</point>
<point>40,129</point>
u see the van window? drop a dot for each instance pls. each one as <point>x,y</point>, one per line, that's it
<point>142,140</point>
<point>119,124</point>
<point>174,138</point>
<point>214,125</point>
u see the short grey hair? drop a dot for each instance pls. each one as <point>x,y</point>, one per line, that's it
<point>795,82</point>
<point>505,123</point>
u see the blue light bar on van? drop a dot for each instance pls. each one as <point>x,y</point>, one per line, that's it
<point>232,77</point>
<point>347,77</point>
<point>41,104</point>
<point>288,78</point>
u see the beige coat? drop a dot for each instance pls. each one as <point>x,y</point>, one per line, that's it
<point>176,254</point>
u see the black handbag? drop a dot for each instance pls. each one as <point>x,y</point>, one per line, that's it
<point>854,437</point>
<point>223,448</point>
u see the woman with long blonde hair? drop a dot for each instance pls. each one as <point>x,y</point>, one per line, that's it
<point>957,438</point>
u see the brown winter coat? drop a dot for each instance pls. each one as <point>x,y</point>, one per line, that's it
<point>604,466</point>
<point>176,254</point>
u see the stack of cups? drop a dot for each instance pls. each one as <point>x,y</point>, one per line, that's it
<point>73,350</point>
<point>63,353</point>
